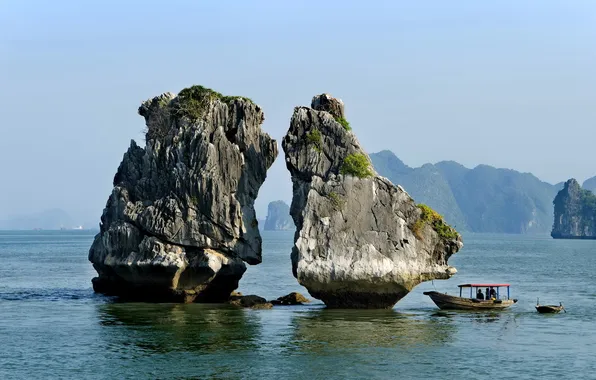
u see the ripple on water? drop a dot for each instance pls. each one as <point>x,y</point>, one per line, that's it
<point>53,326</point>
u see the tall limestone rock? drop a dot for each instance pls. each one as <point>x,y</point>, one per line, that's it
<point>180,223</point>
<point>360,241</point>
<point>575,213</point>
<point>278,217</point>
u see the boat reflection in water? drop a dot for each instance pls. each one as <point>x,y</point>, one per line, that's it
<point>477,300</point>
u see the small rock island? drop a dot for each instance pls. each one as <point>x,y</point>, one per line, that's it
<point>180,223</point>
<point>575,213</point>
<point>361,242</point>
<point>278,217</point>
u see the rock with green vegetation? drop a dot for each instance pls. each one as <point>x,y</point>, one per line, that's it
<point>278,217</point>
<point>356,164</point>
<point>575,213</point>
<point>344,123</point>
<point>361,242</point>
<point>180,223</point>
<point>483,199</point>
<point>314,138</point>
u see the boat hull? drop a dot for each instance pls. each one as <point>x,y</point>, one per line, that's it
<point>447,302</point>
<point>549,309</point>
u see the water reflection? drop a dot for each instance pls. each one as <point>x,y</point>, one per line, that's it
<point>163,328</point>
<point>470,316</point>
<point>326,328</point>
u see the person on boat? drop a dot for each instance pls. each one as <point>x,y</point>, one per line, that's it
<point>493,293</point>
<point>487,293</point>
<point>479,294</point>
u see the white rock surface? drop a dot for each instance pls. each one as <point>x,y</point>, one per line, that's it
<point>356,243</point>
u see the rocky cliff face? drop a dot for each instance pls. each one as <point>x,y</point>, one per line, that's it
<point>278,217</point>
<point>360,241</point>
<point>180,223</point>
<point>575,213</point>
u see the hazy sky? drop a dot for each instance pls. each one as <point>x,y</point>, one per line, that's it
<point>505,83</point>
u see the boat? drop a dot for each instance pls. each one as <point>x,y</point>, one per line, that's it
<point>447,302</point>
<point>553,309</point>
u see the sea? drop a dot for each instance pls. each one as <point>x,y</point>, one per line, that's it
<point>52,325</point>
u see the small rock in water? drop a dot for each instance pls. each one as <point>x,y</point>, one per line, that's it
<point>293,298</point>
<point>251,301</point>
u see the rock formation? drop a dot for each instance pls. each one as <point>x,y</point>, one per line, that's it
<point>293,298</point>
<point>360,241</point>
<point>251,301</point>
<point>180,223</point>
<point>278,217</point>
<point>575,213</point>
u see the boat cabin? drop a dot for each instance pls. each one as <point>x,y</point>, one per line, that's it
<point>474,290</point>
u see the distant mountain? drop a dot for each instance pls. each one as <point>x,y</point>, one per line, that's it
<point>483,199</point>
<point>278,217</point>
<point>426,184</point>
<point>575,213</point>
<point>590,184</point>
<point>53,219</point>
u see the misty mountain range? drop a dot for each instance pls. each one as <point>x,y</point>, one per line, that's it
<point>482,199</point>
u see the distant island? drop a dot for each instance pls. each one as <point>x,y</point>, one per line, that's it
<point>575,212</point>
<point>482,199</point>
<point>278,217</point>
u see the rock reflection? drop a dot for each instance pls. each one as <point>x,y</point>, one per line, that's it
<point>327,328</point>
<point>164,328</point>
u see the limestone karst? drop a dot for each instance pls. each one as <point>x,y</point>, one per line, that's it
<point>179,224</point>
<point>361,241</point>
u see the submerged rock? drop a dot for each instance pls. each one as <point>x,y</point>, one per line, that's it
<point>575,213</point>
<point>251,301</point>
<point>278,217</point>
<point>293,298</point>
<point>360,242</point>
<point>180,222</point>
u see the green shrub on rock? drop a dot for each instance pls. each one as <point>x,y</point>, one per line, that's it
<point>344,123</point>
<point>357,165</point>
<point>335,199</point>
<point>433,218</point>
<point>193,101</point>
<point>314,137</point>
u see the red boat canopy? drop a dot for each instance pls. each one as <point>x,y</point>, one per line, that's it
<point>481,285</point>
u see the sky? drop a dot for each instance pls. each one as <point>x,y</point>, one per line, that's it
<point>506,83</point>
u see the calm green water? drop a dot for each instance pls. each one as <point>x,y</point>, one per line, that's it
<point>53,326</point>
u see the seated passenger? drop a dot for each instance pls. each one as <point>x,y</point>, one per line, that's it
<point>493,293</point>
<point>479,295</point>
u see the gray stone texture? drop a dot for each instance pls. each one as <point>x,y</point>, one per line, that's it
<point>180,223</point>
<point>355,244</point>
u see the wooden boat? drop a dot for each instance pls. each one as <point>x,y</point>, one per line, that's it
<point>448,302</point>
<point>549,308</point>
